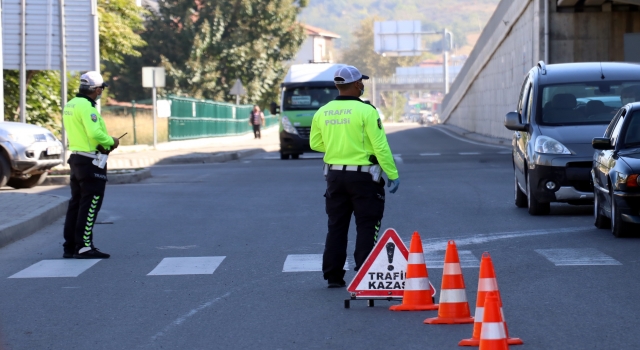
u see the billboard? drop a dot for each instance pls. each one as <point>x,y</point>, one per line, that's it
<point>43,34</point>
<point>398,38</point>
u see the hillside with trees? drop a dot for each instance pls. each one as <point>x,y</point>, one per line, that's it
<point>343,17</point>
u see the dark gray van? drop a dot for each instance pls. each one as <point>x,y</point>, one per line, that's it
<point>561,108</point>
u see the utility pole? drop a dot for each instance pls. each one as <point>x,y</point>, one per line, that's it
<point>445,59</point>
<point>63,75</point>
<point>23,61</point>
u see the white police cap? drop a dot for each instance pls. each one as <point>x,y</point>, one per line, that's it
<point>348,74</point>
<point>92,79</point>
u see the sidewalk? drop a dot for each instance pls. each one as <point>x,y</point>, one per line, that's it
<point>22,214</point>
<point>207,150</point>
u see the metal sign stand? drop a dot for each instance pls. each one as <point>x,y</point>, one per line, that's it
<point>63,77</point>
<point>153,77</point>
<point>402,39</point>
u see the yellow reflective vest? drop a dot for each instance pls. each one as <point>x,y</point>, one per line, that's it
<point>84,125</point>
<point>348,131</point>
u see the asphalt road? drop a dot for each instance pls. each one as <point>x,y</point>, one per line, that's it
<point>564,283</point>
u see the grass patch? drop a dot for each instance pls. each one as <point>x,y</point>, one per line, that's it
<point>118,124</point>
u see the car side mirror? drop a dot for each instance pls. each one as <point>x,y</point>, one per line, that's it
<point>512,122</point>
<point>274,108</point>
<point>601,143</point>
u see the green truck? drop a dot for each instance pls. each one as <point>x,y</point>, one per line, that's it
<point>305,89</point>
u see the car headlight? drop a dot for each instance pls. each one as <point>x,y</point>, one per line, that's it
<point>547,145</point>
<point>24,139</point>
<point>624,181</point>
<point>287,126</point>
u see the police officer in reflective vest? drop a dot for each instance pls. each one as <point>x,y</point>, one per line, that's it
<point>350,133</point>
<point>87,133</point>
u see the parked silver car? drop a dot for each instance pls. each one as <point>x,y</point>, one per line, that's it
<point>26,153</point>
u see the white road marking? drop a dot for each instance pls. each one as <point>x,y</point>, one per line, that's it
<point>468,153</point>
<point>430,154</point>
<point>398,158</point>
<point>177,247</point>
<point>183,318</point>
<point>577,257</point>
<point>435,259</point>
<point>56,268</point>
<point>204,265</point>
<point>441,244</point>
<point>442,130</point>
<point>305,263</point>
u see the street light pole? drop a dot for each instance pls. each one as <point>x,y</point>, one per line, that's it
<point>445,58</point>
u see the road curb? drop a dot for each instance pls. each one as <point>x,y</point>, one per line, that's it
<point>30,224</point>
<point>475,136</point>
<point>219,157</point>
<point>114,179</point>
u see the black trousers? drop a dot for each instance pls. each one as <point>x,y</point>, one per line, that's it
<point>350,192</point>
<point>88,183</point>
<point>256,131</point>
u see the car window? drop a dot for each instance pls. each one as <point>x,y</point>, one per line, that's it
<point>585,103</point>
<point>615,134</point>
<point>613,123</point>
<point>529,104</point>
<point>308,98</point>
<point>632,133</point>
<point>521,99</point>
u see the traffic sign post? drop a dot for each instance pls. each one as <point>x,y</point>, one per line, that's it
<point>383,274</point>
<point>404,38</point>
<point>153,77</point>
<point>238,90</point>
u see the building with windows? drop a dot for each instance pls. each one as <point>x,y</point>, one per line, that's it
<point>317,47</point>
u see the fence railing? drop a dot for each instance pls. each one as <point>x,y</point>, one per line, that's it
<point>191,119</point>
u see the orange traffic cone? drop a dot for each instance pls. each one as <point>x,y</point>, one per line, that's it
<point>493,335</point>
<point>487,283</point>
<point>418,293</point>
<point>454,307</point>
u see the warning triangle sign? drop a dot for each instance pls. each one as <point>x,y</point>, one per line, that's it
<point>383,273</point>
<point>237,88</point>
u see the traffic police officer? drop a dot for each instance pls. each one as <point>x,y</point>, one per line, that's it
<point>349,132</point>
<point>86,131</point>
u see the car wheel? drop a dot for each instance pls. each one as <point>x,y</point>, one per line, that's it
<point>284,156</point>
<point>27,182</point>
<point>618,227</point>
<point>295,156</point>
<point>535,207</point>
<point>5,170</point>
<point>520,197</point>
<point>600,221</point>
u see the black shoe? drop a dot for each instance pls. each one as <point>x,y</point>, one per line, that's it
<point>67,255</point>
<point>336,283</point>
<point>94,253</point>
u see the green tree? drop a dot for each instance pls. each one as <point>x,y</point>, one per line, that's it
<point>206,45</point>
<point>361,54</point>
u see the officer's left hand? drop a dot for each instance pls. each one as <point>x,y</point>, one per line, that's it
<point>394,185</point>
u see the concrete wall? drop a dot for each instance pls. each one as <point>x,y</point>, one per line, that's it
<point>478,102</point>
<point>590,36</point>
<point>513,42</point>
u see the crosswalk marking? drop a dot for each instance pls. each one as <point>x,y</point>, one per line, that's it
<point>204,265</point>
<point>468,153</point>
<point>56,268</point>
<point>435,259</point>
<point>305,263</point>
<point>430,154</point>
<point>577,257</point>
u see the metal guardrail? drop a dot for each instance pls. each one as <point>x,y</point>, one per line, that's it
<point>192,119</point>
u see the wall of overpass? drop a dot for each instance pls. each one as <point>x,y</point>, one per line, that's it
<point>512,42</point>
